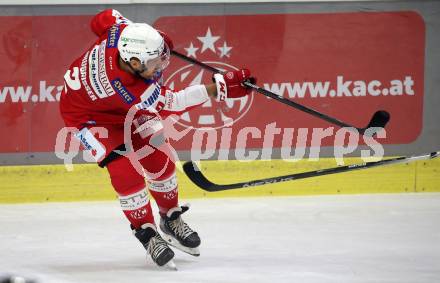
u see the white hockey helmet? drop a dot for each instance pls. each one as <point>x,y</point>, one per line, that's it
<point>142,41</point>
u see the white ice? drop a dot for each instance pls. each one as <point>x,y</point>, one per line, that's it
<point>363,238</point>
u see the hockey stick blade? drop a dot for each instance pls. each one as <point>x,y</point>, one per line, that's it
<point>379,120</point>
<point>195,175</point>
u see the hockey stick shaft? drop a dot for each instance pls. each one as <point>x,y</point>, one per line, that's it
<point>379,120</point>
<point>194,173</point>
<point>194,61</point>
<point>301,107</point>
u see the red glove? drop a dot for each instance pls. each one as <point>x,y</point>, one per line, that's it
<point>167,40</point>
<point>230,85</point>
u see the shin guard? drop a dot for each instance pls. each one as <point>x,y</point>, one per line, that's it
<point>164,192</point>
<point>137,208</point>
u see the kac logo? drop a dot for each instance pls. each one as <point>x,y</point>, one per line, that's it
<point>212,114</point>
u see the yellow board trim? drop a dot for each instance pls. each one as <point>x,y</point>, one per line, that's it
<point>88,182</point>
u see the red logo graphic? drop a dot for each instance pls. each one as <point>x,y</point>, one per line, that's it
<point>212,114</point>
<point>139,213</point>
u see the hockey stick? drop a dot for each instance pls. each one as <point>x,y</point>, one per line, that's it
<point>195,175</point>
<point>379,119</point>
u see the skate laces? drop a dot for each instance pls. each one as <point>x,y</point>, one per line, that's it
<point>180,228</point>
<point>156,246</point>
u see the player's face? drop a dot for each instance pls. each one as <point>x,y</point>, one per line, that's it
<point>147,73</point>
<point>152,66</point>
<point>158,64</point>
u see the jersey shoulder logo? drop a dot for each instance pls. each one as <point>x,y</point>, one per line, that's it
<point>113,36</point>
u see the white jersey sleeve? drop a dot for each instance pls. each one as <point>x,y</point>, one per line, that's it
<point>180,101</point>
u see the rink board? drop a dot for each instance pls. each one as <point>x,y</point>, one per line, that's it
<point>43,183</point>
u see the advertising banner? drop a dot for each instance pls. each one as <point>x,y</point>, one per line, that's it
<point>346,65</point>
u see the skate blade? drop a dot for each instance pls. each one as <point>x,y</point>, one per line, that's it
<point>173,242</point>
<point>171,265</point>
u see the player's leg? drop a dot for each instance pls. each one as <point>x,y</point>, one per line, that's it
<point>162,180</point>
<point>129,185</point>
<point>159,169</point>
<point>132,192</point>
<point>135,204</point>
<point>131,189</point>
<point>163,186</point>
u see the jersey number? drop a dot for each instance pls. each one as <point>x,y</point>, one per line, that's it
<point>72,80</point>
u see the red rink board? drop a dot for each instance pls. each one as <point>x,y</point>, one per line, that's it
<point>36,49</point>
<point>279,49</point>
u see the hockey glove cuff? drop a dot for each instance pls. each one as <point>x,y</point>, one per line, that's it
<point>230,85</point>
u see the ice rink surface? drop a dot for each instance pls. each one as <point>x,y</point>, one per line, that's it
<point>363,238</point>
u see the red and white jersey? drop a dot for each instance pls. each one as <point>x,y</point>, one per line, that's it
<point>98,91</point>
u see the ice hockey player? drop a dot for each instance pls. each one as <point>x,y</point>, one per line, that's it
<point>122,70</point>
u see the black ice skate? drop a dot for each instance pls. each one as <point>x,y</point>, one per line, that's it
<point>177,233</point>
<point>156,247</point>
